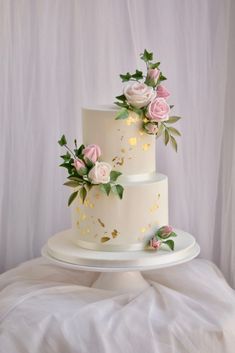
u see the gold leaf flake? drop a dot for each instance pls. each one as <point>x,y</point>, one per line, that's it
<point>146,146</point>
<point>100,222</point>
<point>92,205</point>
<point>120,161</point>
<point>78,223</point>
<point>131,120</point>
<point>123,150</point>
<point>145,120</point>
<point>104,239</point>
<point>115,233</point>
<point>141,132</point>
<point>78,209</point>
<point>143,230</point>
<point>83,216</point>
<point>122,138</point>
<point>114,159</point>
<point>158,196</point>
<point>132,141</point>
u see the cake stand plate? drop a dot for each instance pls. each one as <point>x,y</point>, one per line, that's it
<point>120,271</point>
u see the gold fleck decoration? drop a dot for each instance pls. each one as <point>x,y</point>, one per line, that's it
<point>83,216</point>
<point>131,120</point>
<point>141,132</point>
<point>143,230</point>
<point>120,161</point>
<point>78,209</point>
<point>100,222</point>
<point>118,129</point>
<point>129,157</point>
<point>146,146</point>
<point>114,159</point>
<point>158,196</point>
<point>92,205</point>
<point>78,223</point>
<point>132,141</point>
<point>115,233</point>
<point>104,239</point>
<point>154,208</point>
<point>123,150</point>
<point>145,120</point>
<point>122,138</point>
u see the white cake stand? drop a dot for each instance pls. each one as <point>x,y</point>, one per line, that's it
<point>120,271</point>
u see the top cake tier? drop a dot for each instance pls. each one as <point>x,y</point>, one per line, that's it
<point>123,143</point>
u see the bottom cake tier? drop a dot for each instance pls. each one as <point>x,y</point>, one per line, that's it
<point>107,223</point>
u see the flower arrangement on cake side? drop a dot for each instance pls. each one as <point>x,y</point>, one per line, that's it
<point>146,96</point>
<point>85,170</point>
<point>161,238</point>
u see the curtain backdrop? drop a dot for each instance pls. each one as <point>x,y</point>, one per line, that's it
<point>58,55</point>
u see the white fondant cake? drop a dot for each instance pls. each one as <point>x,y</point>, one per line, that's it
<point>108,223</point>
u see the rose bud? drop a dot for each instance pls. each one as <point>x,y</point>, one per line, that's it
<point>151,128</point>
<point>153,76</point>
<point>78,164</point>
<point>162,92</point>
<point>92,152</point>
<point>154,243</point>
<point>164,232</point>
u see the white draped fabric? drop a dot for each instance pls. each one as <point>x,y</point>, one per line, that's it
<point>45,308</point>
<point>58,55</point>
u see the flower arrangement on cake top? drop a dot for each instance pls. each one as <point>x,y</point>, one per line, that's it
<point>146,96</point>
<point>86,170</point>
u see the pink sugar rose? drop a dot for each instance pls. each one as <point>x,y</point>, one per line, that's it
<point>92,152</point>
<point>158,110</point>
<point>165,231</point>
<point>138,94</point>
<point>154,243</point>
<point>100,173</point>
<point>78,164</point>
<point>151,128</point>
<point>162,92</point>
<point>153,75</point>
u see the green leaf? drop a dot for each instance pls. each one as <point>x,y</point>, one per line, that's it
<point>171,106</point>
<point>154,66</point>
<point>137,111</point>
<point>72,197</point>
<point>72,184</point>
<point>78,151</point>
<point>122,114</point>
<point>89,163</point>
<point>118,189</point>
<point>161,128</point>
<point>174,131</point>
<point>138,75</point>
<point>121,98</point>
<point>122,104</point>
<point>82,171</point>
<point>126,77</point>
<point>167,136</point>
<point>89,186</point>
<point>161,77</point>
<point>106,188</point>
<point>170,243</point>
<point>66,157</point>
<point>114,175</point>
<point>173,119</point>
<point>83,193</point>
<point>74,178</point>
<point>146,56</point>
<point>173,143</point>
<point>62,141</point>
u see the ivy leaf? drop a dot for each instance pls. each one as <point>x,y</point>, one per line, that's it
<point>173,143</point>
<point>122,104</point>
<point>118,189</point>
<point>174,131</point>
<point>78,151</point>
<point>154,66</point>
<point>173,119</point>
<point>122,114</point>
<point>114,175</point>
<point>138,75</point>
<point>72,184</point>
<point>167,136</point>
<point>82,171</point>
<point>161,77</point>
<point>160,130</point>
<point>106,188</point>
<point>126,77</point>
<point>83,193</point>
<point>89,163</point>
<point>62,141</point>
<point>74,178</point>
<point>171,106</point>
<point>66,157</point>
<point>146,56</point>
<point>72,197</point>
<point>121,98</point>
<point>89,186</point>
<point>170,243</point>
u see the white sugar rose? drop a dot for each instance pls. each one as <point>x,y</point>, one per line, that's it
<point>100,173</point>
<point>138,94</point>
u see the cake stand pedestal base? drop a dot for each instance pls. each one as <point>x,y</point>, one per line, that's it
<point>120,271</point>
<point>121,282</point>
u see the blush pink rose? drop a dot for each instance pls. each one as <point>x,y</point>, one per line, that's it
<point>92,152</point>
<point>138,94</point>
<point>165,231</point>
<point>78,164</point>
<point>100,173</point>
<point>154,243</point>
<point>153,75</point>
<point>162,92</point>
<point>151,128</point>
<point>158,110</point>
